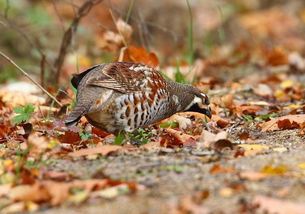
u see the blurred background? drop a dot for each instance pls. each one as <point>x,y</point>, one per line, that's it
<point>217,40</point>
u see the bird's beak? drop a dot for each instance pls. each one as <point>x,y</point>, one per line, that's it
<point>205,111</point>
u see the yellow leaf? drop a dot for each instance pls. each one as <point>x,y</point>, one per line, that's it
<point>226,192</point>
<point>53,143</point>
<point>270,170</point>
<point>256,147</point>
<point>79,197</point>
<point>287,84</point>
<point>278,93</point>
<point>301,165</point>
<point>84,61</point>
<point>31,206</point>
<point>303,15</point>
<point>293,106</point>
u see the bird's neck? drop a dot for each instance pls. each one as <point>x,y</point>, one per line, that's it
<point>182,92</point>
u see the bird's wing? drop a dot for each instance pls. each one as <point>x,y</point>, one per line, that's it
<point>126,77</point>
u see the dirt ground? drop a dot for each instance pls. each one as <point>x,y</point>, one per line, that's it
<point>182,178</point>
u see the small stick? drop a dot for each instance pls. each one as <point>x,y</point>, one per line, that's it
<point>30,78</point>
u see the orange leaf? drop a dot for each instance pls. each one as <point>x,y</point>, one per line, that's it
<point>103,150</point>
<point>140,55</point>
<point>273,205</point>
<point>284,122</point>
<point>217,169</point>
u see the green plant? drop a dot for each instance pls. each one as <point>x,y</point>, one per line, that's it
<point>190,35</point>
<point>119,138</point>
<point>247,117</point>
<point>178,75</point>
<point>268,116</point>
<point>140,135</point>
<point>169,124</point>
<point>84,136</point>
<point>23,113</point>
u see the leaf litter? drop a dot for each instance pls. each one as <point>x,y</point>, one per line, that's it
<point>236,162</point>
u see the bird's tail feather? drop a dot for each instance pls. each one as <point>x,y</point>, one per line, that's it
<point>75,115</point>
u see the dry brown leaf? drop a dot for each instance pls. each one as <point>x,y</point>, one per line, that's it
<point>269,23</point>
<point>37,143</point>
<point>89,185</point>
<point>253,176</point>
<point>263,90</point>
<point>273,205</point>
<point>140,55</point>
<point>150,145</point>
<point>124,29</point>
<point>276,56</point>
<point>193,114</point>
<point>185,139</point>
<point>218,142</point>
<point>284,122</point>
<point>188,205</point>
<point>58,191</point>
<point>221,122</point>
<point>4,189</point>
<point>182,121</point>
<point>14,208</point>
<point>35,193</point>
<point>216,169</point>
<point>103,150</point>
<point>247,109</point>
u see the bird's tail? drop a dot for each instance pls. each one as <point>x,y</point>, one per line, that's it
<point>75,115</point>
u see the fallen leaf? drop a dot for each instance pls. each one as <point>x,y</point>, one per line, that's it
<point>182,121</point>
<point>273,205</point>
<point>103,150</point>
<point>70,137</point>
<point>217,169</point>
<point>284,122</point>
<point>38,143</point>
<point>35,193</point>
<point>14,208</point>
<point>140,55</point>
<point>4,189</point>
<point>256,147</point>
<point>226,192</point>
<point>247,109</point>
<point>187,204</point>
<point>58,191</point>
<point>252,176</point>
<point>79,197</point>
<point>263,90</point>
<point>124,29</point>
<point>181,138</point>
<point>217,142</point>
<point>301,165</point>
<point>274,170</point>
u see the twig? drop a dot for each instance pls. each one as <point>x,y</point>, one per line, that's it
<point>115,23</point>
<point>58,15</point>
<point>143,31</point>
<point>30,78</point>
<point>148,23</point>
<point>67,38</point>
<point>7,7</point>
<point>42,69</point>
<point>36,46</point>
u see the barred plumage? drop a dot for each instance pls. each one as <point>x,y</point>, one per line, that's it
<point>124,96</point>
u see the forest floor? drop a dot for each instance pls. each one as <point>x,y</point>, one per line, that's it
<point>248,158</point>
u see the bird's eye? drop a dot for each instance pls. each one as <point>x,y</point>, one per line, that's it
<point>205,99</point>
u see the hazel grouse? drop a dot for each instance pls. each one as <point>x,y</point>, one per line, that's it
<point>124,96</point>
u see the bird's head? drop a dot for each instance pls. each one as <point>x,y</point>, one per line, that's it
<point>200,104</point>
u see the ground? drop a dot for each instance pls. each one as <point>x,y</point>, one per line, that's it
<point>247,56</point>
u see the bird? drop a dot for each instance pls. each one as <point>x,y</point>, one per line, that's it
<point>125,96</point>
